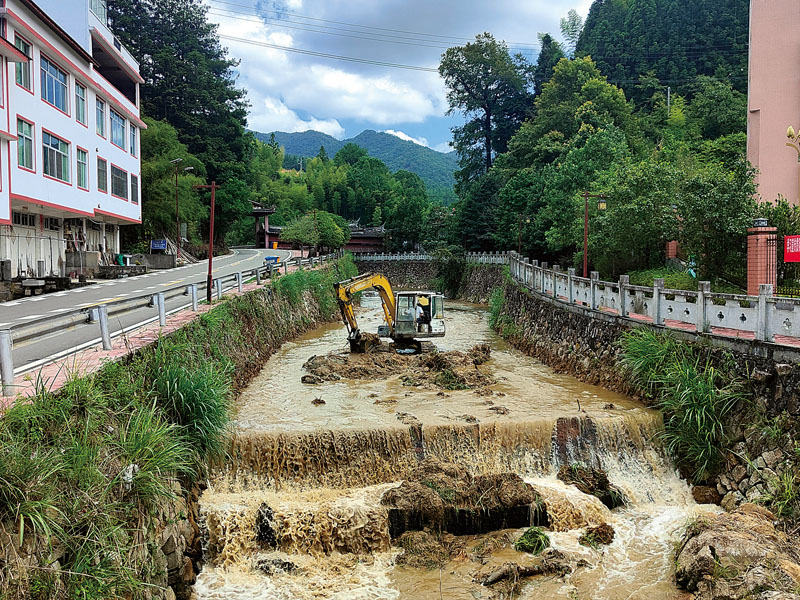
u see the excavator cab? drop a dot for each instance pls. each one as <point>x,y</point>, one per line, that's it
<point>419,315</point>
<point>410,316</point>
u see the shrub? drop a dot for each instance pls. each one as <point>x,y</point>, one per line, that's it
<point>534,540</point>
<point>694,396</point>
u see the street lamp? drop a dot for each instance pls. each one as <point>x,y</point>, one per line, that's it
<point>176,162</point>
<point>601,205</point>
<point>519,233</point>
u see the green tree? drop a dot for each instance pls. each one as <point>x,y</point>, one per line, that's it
<point>349,154</point>
<point>408,213</point>
<point>232,205</point>
<point>549,55</point>
<point>322,154</point>
<point>491,88</point>
<point>189,80</point>
<point>718,109</point>
<point>159,146</point>
<point>715,208</point>
<point>786,218</point>
<point>377,217</point>
<point>571,27</point>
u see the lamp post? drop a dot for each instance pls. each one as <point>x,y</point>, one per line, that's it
<point>209,279</point>
<point>519,233</point>
<point>601,205</point>
<point>176,162</point>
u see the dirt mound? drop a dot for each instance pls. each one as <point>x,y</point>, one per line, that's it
<point>445,497</point>
<point>422,550</point>
<point>594,537</point>
<point>444,370</point>
<point>738,555</point>
<point>594,482</point>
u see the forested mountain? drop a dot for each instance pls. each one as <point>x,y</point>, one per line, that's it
<point>676,40</point>
<point>435,168</point>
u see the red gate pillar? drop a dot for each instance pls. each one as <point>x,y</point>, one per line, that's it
<point>762,258</point>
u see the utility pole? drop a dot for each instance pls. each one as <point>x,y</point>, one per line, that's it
<point>209,279</point>
<point>586,196</point>
<point>669,102</point>
<point>316,231</point>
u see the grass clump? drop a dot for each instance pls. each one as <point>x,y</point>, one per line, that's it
<point>87,471</point>
<point>534,541</point>
<point>694,396</point>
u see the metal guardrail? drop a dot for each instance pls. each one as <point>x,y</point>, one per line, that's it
<point>486,258</point>
<point>764,316</point>
<point>99,313</point>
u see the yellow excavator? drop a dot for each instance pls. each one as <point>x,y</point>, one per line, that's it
<point>411,316</point>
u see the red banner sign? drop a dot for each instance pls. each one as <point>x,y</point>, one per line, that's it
<point>791,251</point>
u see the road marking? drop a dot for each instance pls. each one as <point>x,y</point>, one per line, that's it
<point>38,299</point>
<point>99,302</point>
<point>29,317</point>
<point>59,295</point>
<point>151,287</point>
<point>79,290</point>
<point>60,310</point>
<point>171,282</point>
<point>4,324</point>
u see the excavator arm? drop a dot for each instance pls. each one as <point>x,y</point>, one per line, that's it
<point>344,293</point>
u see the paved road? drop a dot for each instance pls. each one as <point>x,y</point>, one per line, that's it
<point>28,353</point>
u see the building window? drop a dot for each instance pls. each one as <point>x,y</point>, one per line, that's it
<point>100,10</point>
<point>102,175</point>
<point>83,169</point>
<point>134,135</point>
<point>134,189</point>
<point>101,118</point>
<point>24,144</point>
<point>119,183</point>
<point>117,129</point>
<point>80,103</point>
<point>23,68</point>
<point>54,85</point>
<point>52,224</point>
<point>55,157</point>
<point>24,219</point>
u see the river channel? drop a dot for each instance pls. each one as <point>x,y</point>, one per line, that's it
<point>322,467</point>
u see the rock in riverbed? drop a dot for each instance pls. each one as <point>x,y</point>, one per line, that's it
<point>737,556</point>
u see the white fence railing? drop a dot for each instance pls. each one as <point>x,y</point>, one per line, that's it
<point>485,258</point>
<point>764,316</point>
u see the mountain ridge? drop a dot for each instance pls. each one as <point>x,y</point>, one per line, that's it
<point>435,168</point>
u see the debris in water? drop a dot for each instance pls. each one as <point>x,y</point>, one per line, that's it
<point>265,527</point>
<point>469,418</point>
<point>552,562</point>
<point>595,536</point>
<point>500,410</point>
<point>317,401</point>
<point>275,563</point>
<point>445,497</point>
<point>592,481</point>
<point>609,406</point>
<point>483,392</point>
<point>408,419</point>
<point>421,550</point>
<point>444,370</point>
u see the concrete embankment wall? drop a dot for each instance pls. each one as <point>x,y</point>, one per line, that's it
<point>585,344</point>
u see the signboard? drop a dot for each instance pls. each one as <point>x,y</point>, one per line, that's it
<point>270,260</point>
<point>791,250</point>
<point>158,245</point>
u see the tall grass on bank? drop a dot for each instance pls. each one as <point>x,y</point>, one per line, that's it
<point>694,396</point>
<point>83,470</point>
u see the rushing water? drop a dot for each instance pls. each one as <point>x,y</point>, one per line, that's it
<point>323,467</point>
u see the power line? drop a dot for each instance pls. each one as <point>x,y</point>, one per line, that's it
<point>390,30</point>
<point>331,56</point>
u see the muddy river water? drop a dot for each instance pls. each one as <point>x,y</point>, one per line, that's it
<point>322,466</point>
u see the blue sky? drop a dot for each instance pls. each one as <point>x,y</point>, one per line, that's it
<point>293,91</point>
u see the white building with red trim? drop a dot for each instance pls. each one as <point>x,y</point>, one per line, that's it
<point>69,137</point>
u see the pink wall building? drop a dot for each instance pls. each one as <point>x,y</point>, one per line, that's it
<point>774,97</point>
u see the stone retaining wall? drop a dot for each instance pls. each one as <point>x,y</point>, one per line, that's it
<point>585,345</point>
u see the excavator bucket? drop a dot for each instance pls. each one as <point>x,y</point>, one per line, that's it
<point>364,343</point>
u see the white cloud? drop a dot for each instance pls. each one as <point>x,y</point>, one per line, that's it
<point>270,114</point>
<point>404,136</point>
<point>443,147</point>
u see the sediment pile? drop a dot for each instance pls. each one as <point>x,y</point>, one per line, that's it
<point>437,370</point>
